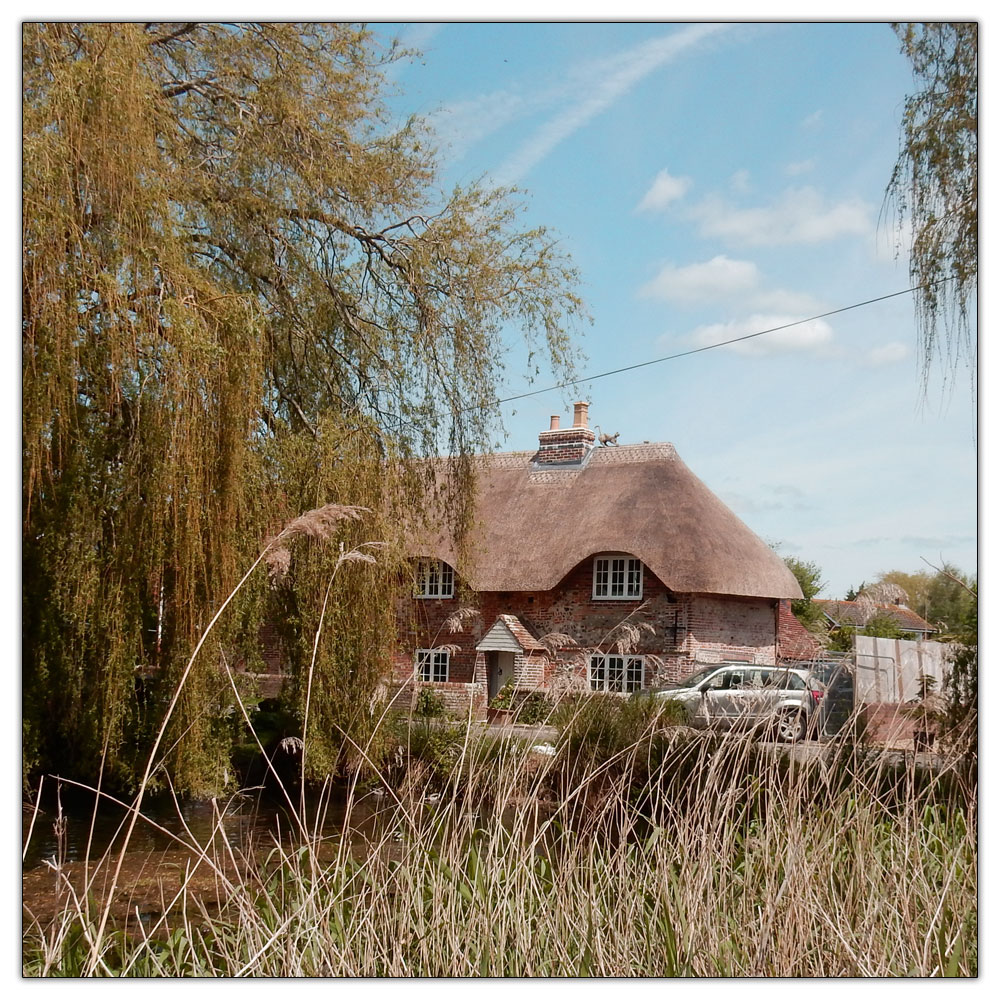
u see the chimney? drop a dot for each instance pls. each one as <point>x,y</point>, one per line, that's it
<point>566,447</point>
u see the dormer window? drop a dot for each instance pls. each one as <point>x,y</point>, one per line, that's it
<point>617,578</point>
<point>434,578</point>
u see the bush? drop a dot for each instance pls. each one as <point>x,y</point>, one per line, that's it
<point>430,705</point>
<point>534,708</point>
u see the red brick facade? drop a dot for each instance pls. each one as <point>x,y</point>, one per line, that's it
<point>676,633</point>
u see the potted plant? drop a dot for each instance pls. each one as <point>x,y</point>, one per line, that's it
<point>501,709</point>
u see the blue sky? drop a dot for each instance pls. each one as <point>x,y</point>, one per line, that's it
<point>710,181</point>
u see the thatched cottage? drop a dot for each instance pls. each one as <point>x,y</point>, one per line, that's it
<point>610,568</point>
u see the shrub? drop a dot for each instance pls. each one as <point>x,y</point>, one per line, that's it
<point>534,708</point>
<point>429,705</point>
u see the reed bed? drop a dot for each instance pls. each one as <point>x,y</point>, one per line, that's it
<point>660,852</point>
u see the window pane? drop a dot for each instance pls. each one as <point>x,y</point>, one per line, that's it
<point>440,667</point>
<point>617,577</point>
<point>633,674</point>
<point>600,577</point>
<point>598,674</point>
<point>634,578</point>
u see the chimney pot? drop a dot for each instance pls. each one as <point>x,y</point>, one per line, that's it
<point>554,422</point>
<point>580,414</point>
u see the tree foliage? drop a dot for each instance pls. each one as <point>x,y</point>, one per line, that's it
<point>941,598</point>
<point>809,577</point>
<point>962,684</point>
<point>243,297</point>
<point>934,186</point>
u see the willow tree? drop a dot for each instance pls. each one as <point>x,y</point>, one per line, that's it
<point>935,183</point>
<point>244,295</point>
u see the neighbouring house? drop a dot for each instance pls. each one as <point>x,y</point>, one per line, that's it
<point>857,614</point>
<point>604,568</point>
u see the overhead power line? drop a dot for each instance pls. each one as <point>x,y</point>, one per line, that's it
<point>722,343</point>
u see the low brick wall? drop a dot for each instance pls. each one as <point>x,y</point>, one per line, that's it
<point>455,696</point>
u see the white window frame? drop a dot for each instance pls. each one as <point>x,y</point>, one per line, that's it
<point>428,665</point>
<point>433,579</point>
<point>617,570</point>
<point>599,670</point>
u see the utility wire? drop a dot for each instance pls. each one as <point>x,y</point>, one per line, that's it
<point>723,343</point>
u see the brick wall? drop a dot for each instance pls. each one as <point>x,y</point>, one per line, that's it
<point>794,640</point>
<point>721,628</point>
<point>456,698</point>
<point>686,630</point>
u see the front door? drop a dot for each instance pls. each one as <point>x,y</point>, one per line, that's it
<point>500,667</point>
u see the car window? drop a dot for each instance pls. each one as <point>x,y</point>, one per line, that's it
<point>693,680</point>
<point>785,680</point>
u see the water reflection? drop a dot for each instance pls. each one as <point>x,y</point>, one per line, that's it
<point>249,820</point>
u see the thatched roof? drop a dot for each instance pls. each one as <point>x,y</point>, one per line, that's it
<point>535,524</point>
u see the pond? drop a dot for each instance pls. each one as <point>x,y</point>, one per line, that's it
<point>66,822</point>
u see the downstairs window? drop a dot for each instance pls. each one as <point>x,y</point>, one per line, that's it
<point>431,666</point>
<point>617,674</point>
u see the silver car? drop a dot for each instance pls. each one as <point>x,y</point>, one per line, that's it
<point>782,700</point>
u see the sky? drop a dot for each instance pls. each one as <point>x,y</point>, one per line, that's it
<point>709,181</point>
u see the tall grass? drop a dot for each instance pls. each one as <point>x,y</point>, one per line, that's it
<point>724,858</point>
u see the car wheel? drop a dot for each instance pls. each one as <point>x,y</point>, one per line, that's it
<point>791,727</point>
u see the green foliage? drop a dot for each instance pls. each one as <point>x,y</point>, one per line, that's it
<point>533,708</point>
<point>529,708</point>
<point>841,639</point>
<point>503,700</point>
<point>603,726</point>
<point>961,690</point>
<point>935,183</point>
<point>809,577</point>
<point>882,626</point>
<point>429,704</point>
<point>243,296</point>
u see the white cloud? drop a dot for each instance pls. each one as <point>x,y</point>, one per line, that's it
<point>740,181</point>
<point>888,354</point>
<point>780,300</point>
<point>799,167</point>
<point>811,121</point>
<point>464,123</point>
<point>718,277</point>
<point>815,336</point>
<point>799,215</point>
<point>665,189</point>
<point>599,87</point>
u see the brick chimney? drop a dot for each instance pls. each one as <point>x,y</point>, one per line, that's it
<point>569,446</point>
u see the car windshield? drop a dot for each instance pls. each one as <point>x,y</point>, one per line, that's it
<point>693,680</point>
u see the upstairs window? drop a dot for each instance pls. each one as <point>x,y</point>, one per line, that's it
<point>619,674</point>
<point>434,578</point>
<point>617,578</point>
<point>431,666</point>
